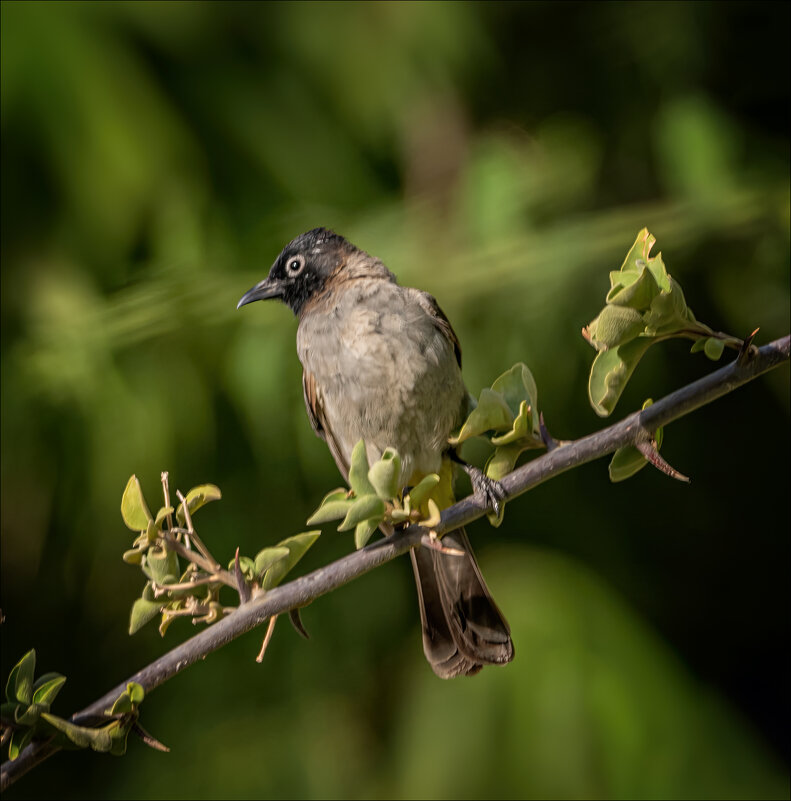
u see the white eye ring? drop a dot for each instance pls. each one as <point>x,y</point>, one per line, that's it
<point>295,264</point>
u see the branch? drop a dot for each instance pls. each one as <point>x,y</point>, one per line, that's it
<point>302,591</point>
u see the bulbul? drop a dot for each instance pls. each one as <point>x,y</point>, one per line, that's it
<point>382,363</point>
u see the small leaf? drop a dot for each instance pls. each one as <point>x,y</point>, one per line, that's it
<point>246,565</point>
<point>197,497</point>
<point>713,348</point>
<point>133,556</point>
<point>18,742</point>
<point>434,518</point>
<point>133,506</point>
<point>161,566</point>
<point>20,681</point>
<point>358,471</point>
<point>267,557</point>
<point>333,510</point>
<point>615,325</point>
<point>136,692</point>
<point>340,494</point>
<point>298,546</point>
<point>121,706</point>
<point>47,687</point>
<point>30,715</point>
<point>625,463</point>
<point>634,289</point>
<point>152,531</point>
<point>502,461</point>
<point>384,475</point>
<point>363,531</point>
<point>363,509</point>
<point>522,427</point>
<point>517,385</point>
<point>610,372</point>
<point>162,514</point>
<point>398,516</point>
<point>144,609</point>
<point>97,739</point>
<point>491,414</point>
<point>419,493</point>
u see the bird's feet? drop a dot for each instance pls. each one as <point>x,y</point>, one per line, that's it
<point>488,490</point>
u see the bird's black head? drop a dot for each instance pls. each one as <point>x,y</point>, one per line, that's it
<point>302,269</point>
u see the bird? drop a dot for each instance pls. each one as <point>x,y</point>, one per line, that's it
<point>382,363</point>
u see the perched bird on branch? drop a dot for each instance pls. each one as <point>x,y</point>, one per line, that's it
<point>382,363</point>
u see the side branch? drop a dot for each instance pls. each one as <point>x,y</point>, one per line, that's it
<point>302,591</point>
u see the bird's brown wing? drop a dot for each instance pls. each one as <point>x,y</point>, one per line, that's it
<point>432,309</point>
<point>318,421</point>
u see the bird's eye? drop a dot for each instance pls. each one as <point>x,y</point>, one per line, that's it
<point>295,265</point>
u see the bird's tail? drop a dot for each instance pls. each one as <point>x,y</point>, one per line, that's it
<point>463,629</point>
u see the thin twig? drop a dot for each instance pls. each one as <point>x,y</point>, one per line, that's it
<point>192,533</point>
<point>270,630</point>
<point>207,565</point>
<point>305,589</point>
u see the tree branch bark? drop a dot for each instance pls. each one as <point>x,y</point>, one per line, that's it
<point>302,591</point>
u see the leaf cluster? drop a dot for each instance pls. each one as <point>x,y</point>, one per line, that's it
<point>26,714</point>
<point>175,589</point>
<point>645,305</point>
<point>374,497</point>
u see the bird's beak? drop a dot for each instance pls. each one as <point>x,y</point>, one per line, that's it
<point>264,290</point>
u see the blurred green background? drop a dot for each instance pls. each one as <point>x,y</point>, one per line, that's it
<point>503,156</point>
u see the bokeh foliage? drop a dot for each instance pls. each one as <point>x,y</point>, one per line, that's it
<point>502,156</point>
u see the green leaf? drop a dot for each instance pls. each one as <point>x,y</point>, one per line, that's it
<point>47,687</point>
<point>161,566</point>
<point>384,475</point>
<point>633,289</point>
<point>246,565</point>
<point>298,546</point>
<point>18,742</point>
<point>133,556</point>
<point>358,471</point>
<point>162,514</point>
<point>197,497</point>
<point>136,692</point>
<point>20,681</point>
<point>128,700</point>
<point>713,348</point>
<point>369,506</point>
<point>615,325</point>
<point>517,385</point>
<point>133,506</point>
<point>611,371</point>
<point>423,489</point>
<point>332,510</point>
<point>502,461</point>
<point>491,414</point>
<point>30,716</point>
<point>97,739</point>
<point>522,427</point>
<point>363,531</point>
<point>669,314</point>
<point>152,531</point>
<point>625,463</point>
<point>144,609</point>
<point>267,557</point>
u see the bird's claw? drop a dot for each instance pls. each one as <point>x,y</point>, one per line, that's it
<point>488,490</point>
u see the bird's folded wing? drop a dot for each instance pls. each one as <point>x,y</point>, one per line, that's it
<point>318,421</point>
